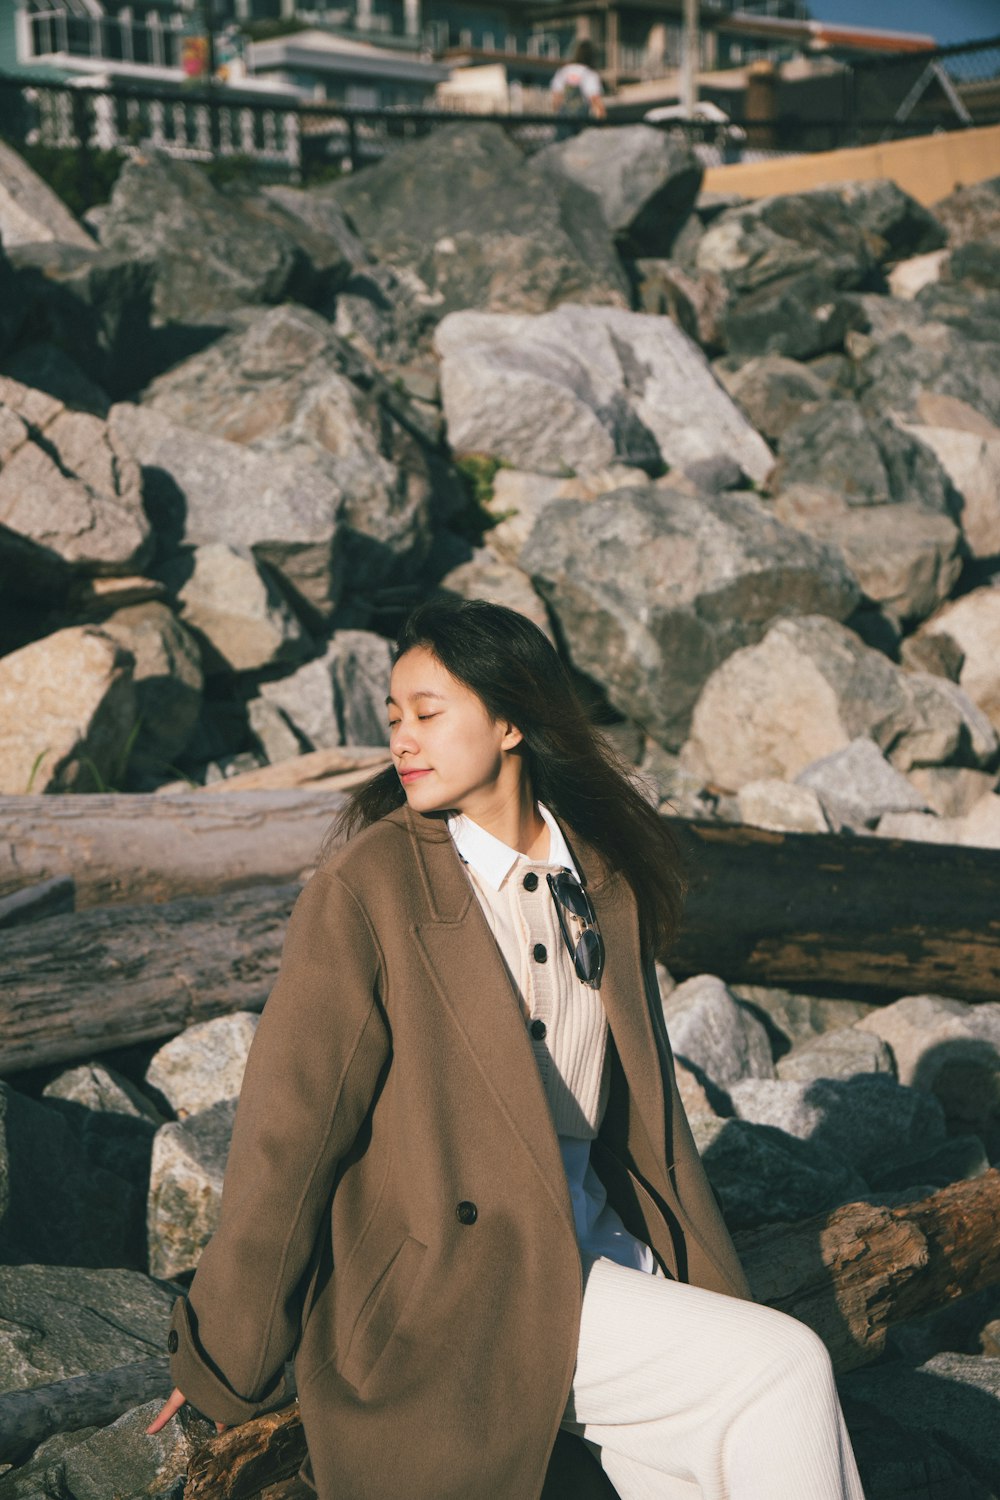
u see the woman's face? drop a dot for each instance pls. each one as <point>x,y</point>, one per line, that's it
<point>448,752</point>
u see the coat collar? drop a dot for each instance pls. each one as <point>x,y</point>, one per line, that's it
<point>463,961</point>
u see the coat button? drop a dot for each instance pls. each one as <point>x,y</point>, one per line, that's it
<point>539,953</point>
<point>530,881</point>
<point>538,1030</point>
<point>466,1212</point>
<point>172,1341</point>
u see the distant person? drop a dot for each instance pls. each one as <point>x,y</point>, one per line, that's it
<point>577,91</point>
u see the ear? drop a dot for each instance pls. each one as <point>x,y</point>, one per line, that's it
<point>512,737</point>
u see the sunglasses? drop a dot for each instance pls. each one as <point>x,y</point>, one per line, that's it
<point>587,951</point>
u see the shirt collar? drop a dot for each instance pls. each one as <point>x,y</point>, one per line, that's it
<point>493,860</point>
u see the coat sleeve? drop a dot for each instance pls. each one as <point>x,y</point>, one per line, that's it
<point>310,1078</point>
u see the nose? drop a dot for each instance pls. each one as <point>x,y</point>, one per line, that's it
<point>402,740</point>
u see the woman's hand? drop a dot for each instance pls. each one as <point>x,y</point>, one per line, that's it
<point>169,1409</point>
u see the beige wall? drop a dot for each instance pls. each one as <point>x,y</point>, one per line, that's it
<point>928,167</point>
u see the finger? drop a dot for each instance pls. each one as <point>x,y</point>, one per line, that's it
<point>169,1409</point>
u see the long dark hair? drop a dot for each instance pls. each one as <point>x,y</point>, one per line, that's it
<point>515,670</point>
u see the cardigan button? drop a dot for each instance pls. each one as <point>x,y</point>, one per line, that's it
<point>172,1341</point>
<point>538,1030</point>
<point>539,953</point>
<point>530,881</point>
<point>466,1212</point>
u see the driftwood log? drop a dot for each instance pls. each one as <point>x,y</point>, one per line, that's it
<point>849,1275</point>
<point>338,770</point>
<point>27,1418</point>
<point>49,898</point>
<point>78,985</point>
<point>839,914</point>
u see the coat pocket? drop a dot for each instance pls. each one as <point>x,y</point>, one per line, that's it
<point>381,1313</point>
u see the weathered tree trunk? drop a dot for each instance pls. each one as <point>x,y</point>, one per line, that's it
<point>849,1275</point>
<point>855,1272</point>
<point>150,848</point>
<point>49,898</point>
<point>74,986</point>
<point>839,913</point>
<point>29,1417</point>
<point>340,769</point>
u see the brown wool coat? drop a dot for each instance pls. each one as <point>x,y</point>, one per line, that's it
<point>395,1207</point>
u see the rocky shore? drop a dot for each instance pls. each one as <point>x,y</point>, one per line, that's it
<point>741,460</point>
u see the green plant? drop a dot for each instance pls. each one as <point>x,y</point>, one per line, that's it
<point>477,472</point>
<point>34,768</point>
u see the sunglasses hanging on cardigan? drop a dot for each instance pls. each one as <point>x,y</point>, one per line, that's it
<point>586,951</point>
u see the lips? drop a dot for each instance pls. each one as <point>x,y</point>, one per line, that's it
<point>414,775</point>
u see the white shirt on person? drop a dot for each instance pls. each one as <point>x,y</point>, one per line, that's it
<point>576,75</point>
<point>564,1017</point>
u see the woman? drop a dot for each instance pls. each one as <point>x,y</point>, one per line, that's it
<point>461,1184</point>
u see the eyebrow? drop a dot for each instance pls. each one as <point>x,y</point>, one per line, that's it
<point>421,693</point>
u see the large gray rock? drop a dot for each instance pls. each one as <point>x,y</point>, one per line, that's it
<point>857,785</point>
<point>242,619</point>
<point>784,262</point>
<point>906,557</point>
<point>764,1176</point>
<point>307,701</point>
<point>973,623</point>
<point>67,709</point>
<point>869,1121</point>
<point>204,1064</point>
<point>808,689</point>
<point>901,373</point>
<point>487,576</point>
<point>519,497</point>
<point>30,211</point>
<point>796,1020</point>
<point>967,447</point>
<point>645,181</point>
<point>211,251</point>
<point>838,1054</point>
<point>185,1188</point>
<point>517,240</point>
<point>903,225</point>
<point>580,388</point>
<point>713,1036</point>
<point>168,681</point>
<point>653,587</point>
<point>772,391</point>
<point>61,1321</point>
<point>971,212</point>
<point>70,494</point>
<point>202,489</point>
<point>775,804</point>
<point>285,383</point>
<point>359,663</point>
<point>946,1047</point>
<point>120,1460</point>
<point>54,1205</point>
<point>102,1090</point>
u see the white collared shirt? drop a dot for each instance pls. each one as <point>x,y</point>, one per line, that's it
<point>565,1018</point>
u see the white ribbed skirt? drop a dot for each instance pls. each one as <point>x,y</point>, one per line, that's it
<point>686,1394</point>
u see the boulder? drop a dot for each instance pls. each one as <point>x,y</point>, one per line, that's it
<point>653,587</point>
<point>869,1122</point>
<point>67,709</point>
<point>645,181</point>
<point>285,383</point>
<point>487,576</point>
<point>210,254</point>
<point>764,1176</point>
<point>857,785</point>
<point>844,1053</point>
<point>519,240</point>
<point>185,1188</point>
<point>882,208</point>
<point>204,1064</point>
<point>951,791</point>
<point>242,619</point>
<point>772,392</point>
<point>920,828</point>
<point>30,211</point>
<point>981,824</point>
<point>695,303</point>
<point>908,277</point>
<point>61,1321</point>
<point>307,701</point>
<point>70,494</point>
<point>715,1038</point>
<point>971,212</point>
<point>519,497</point>
<point>975,265</point>
<point>272,731</point>
<point>775,804</point>
<point>973,623</point>
<point>966,445</point>
<point>102,1090</point>
<point>167,678</point>
<point>906,558</point>
<point>785,261</point>
<point>54,1204</point>
<point>808,689</point>
<point>119,1460</point>
<point>795,1020</point>
<point>947,1048</point>
<point>937,654</point>
<point>580,388</point>
<point>201,489</point>
<point>360,663</point>
<point>900,373</point>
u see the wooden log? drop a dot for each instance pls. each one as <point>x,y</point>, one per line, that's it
<point>836,914</point>
<point>74,986</point>
<point>849,1275</point>
<point>29,1417</point>
<point>150,848</point>
<point>346,767</point>
<point>49,898</point>
<point>853,1273</point>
